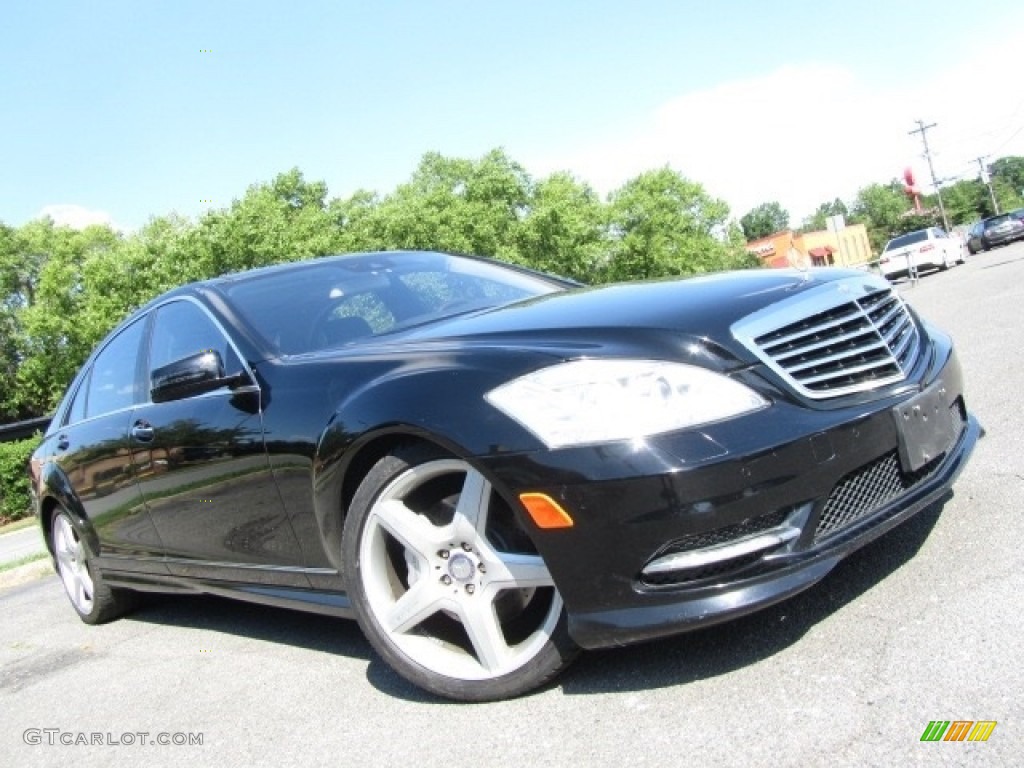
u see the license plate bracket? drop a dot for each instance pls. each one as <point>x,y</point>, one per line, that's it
<point>925,427</point>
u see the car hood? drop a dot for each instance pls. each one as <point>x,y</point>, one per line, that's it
<point>676,315</point>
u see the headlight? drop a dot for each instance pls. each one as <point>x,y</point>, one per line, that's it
<point>594,401</point>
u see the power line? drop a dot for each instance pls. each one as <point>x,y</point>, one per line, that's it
<point>1012,137</point>
<point>923,130</point>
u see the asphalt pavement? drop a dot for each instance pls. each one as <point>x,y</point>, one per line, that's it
<point>923,624</point>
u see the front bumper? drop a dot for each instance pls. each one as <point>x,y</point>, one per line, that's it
<point>633,504</point>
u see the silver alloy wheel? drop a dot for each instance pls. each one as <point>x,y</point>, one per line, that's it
<point>452,570</point>
<point>72,565</point>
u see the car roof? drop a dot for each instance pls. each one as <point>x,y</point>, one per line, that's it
<point>987,219</point>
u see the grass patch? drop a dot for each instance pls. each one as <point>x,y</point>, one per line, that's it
<point>17,525</point>
<point>23,561</point>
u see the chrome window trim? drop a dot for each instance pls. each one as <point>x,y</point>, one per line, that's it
<point>249,388</point>
<point>148,316</point>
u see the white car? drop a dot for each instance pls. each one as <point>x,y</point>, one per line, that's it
<point>922,249</point>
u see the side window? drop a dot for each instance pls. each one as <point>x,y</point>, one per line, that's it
<point>77,410</point>
<point>113,383</point>
<point>183,329</point>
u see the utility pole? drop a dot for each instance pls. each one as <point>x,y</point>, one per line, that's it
<point>987,182</point>
<point>923,130</point>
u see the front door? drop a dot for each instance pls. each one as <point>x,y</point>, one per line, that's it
<point>203,469</point>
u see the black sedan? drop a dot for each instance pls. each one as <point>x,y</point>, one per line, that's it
<point>491,468</point>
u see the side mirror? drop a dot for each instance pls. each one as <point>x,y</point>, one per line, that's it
<point>192,375</point>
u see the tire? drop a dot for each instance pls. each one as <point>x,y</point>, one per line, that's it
<point>92,599</point>
<point>446,585</point>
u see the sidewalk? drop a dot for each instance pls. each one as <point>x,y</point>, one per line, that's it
<point>19,544</point>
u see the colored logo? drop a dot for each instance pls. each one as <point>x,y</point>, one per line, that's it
<point>958,730</point>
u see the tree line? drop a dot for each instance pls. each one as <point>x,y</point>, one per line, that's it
<point>62,290</point>
<point>885,209</point>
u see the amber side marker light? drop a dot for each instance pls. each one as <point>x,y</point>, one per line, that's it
<point>545,511</point>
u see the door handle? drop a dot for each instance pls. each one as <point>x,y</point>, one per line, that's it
<point>142,432</point>
<point>63,442</point>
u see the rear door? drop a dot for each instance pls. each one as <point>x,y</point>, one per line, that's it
<point>92,451</point>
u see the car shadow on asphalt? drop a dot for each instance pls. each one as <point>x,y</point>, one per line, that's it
<point>674,661</point>
<point>314,632</point>
<point>271,624</point>
<point>724,648</point>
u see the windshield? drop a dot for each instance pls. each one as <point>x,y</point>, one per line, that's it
<point>908,239</point>
<point>332,302</point>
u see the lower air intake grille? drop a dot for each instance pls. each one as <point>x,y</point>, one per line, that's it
<point>869,488</point>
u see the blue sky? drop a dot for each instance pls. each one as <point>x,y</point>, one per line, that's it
<point>116,111</point>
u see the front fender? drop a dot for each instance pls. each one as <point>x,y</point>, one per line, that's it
<point>442,406</point>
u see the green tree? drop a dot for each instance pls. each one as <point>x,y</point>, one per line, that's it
<point>11,298</point>
<point>818,220</point>
<point>665,224</point>
<point>1009,170</point>
<point>165,242</point>
<point>60,328</point>
<point>880,207</point>
<point>766,219</point>
<point>1006,175</point>
<point>356,221</point>
<point>286,219</point>
<point>564,231</point>
<point>453,204</point>
<point>966,201</point>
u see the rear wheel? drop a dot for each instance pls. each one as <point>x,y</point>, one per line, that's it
<point>445,583</point>
<point>91,598</point>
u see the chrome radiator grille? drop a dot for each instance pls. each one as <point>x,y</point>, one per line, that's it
<point>841,345</point>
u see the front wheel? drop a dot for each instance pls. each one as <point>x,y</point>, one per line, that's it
<point>447,585</point>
